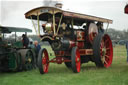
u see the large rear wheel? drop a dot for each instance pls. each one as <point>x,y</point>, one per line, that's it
<point>28,59</point>
<point>43,61</point>
<point>75,60</point>
<point>103,50</point>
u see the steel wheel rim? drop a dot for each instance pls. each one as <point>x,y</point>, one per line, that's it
<point>78,60</point>
<point>106,51</point>
<point>45,61</point>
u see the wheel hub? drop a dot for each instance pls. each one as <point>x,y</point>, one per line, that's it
<point>103,54</point>
<point>77,59</point>
<point>59,60</point>
<point>103,51</point>
<point>29,60</point>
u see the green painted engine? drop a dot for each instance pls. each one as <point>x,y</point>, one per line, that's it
<point>16,58</point>
<point>13,56</point>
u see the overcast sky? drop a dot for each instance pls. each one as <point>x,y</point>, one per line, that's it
<point>12,11</point>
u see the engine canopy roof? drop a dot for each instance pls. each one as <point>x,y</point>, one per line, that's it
<point>6,29</point>
<point>47,12</point>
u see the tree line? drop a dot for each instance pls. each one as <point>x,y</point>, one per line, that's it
<point>117,34</point>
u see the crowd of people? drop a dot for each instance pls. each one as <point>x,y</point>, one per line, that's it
<point>30,44</point>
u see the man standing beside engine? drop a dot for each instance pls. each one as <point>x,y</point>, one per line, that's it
<point>25,41</point>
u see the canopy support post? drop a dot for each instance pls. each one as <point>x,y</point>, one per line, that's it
<point>59,23</point>
<point>38,23</point>
<point>72,23</point>
<point>107,27</point>
<point>54,29</point>
<point>33,24</point>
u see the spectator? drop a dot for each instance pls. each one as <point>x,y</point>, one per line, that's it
<point>37,48</point>
<point>31,45</point>
<point>25,41</point>
<point>127,49</point>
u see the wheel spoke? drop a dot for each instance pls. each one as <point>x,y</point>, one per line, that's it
<point>44,60</point>
<point>102,43</point>
<point>43,55</point>
<point>103,59</point>
<point>107,48</point>
<point>105,62</point>
<point>107,56</point>
<point>101,46</point>
<point>44,67</point>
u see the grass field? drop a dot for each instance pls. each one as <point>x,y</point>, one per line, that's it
<point>117,74</point>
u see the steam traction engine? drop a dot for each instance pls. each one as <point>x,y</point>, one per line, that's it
<point>13,56</point>
<point>75,38</point>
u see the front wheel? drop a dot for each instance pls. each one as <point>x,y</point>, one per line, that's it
<point>75,60</point>
<point>43,61</point>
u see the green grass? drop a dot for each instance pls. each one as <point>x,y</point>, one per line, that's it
<point>117,74</point>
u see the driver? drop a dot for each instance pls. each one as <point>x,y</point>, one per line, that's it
<point>48,27</point>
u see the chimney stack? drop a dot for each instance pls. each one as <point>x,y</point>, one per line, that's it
<point>58,5</point>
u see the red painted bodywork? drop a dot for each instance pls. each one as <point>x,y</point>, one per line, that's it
<point>80,35</point>
<point>68,53</point>
<point>59,60</point>
<point>80,44</point>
